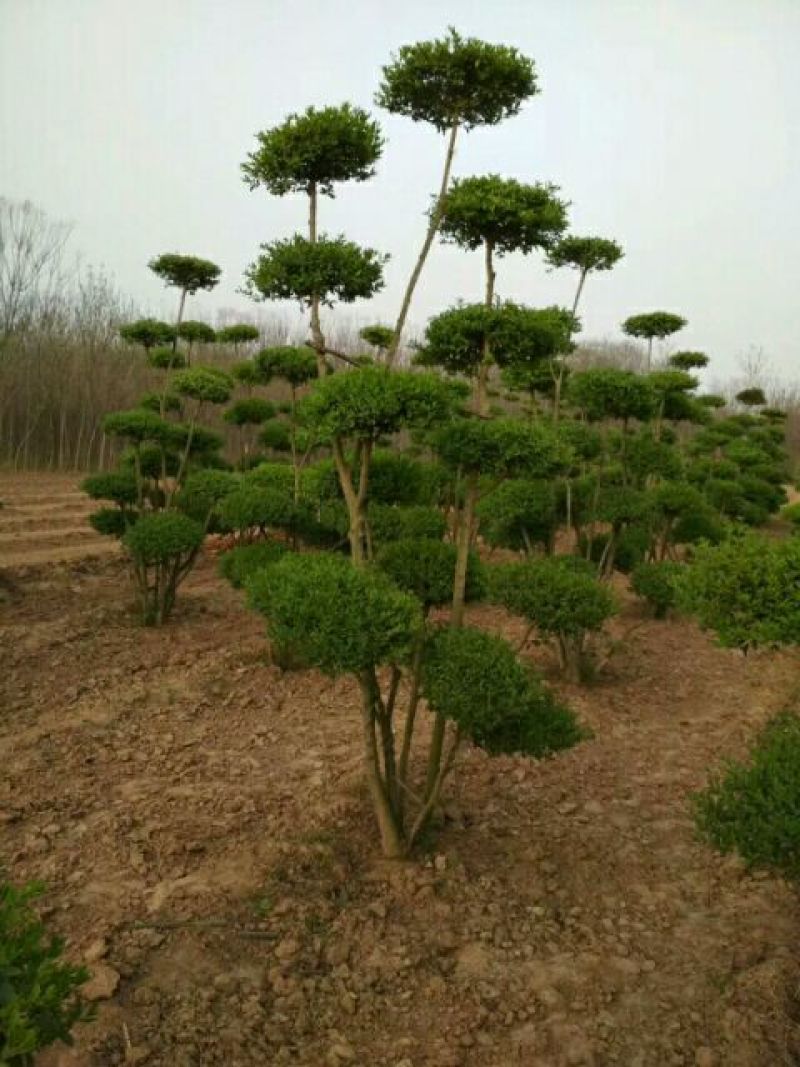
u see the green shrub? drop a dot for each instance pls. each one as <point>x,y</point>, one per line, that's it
<point>474,679</point>
<point>39,994</point>
<point>253,507</point>
<point>519,514</point>
<point>119,486</point>
<point>326,613</point>
<point>279,476</point>
<point>209,385</point>
<point>275,434</point>
<point>655,583</point>
<point>389,523</point>
<point>426,567</point>
<point>747,590</point>
<point>239,563</point>
<point>165,358</point>
<point>791,513</point>
<point>249,411</point>
<point>112,522</point>
<point>563,604</point>
<point>201,493</point>
<point>163,547</point>
<point>752,808</point>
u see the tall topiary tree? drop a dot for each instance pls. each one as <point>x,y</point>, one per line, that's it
<point>585,255</point>
<point>189,274</point>
<point>500,215</point>
<point>193,333</point>
<point>148,333</point>
<point>452,83</point>
<point>653,324</point>
<point>310,153</point>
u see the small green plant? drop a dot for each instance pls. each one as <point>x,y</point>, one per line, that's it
<point>163,546</point>
<point>40,999</point>
<point>563,603</point>
<point>655,583</point>
<point>651,325</point>
<point>752,807</point>
<point>239,563</point>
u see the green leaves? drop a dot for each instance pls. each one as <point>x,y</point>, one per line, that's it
<point>474,679</point>
<point>249,411</point>
<point>318,148</point>
<point>751,808</point>
<point>189,273</point>
<point>652,324</point>
<point>372,401</point>
<point>237,334</point>
<point>585,253</point>
<point>332,615</point>
<point>296,365</point>
<point>147,332</point>
<point>139,425</point>
<point>456,81</point>
<point>688,360</point>
<point>504,213</point>
<point>609,393</point>
<point>39,994</point>
<point>747,590</point>
<point>559,599</point>
<point>194,332</point>
<point>331,269</point>
<point>425,568</point>
<point>518,336</point>
<point>655,583</point>
<point>501,448</point>
<point>163,537</point>
<point>206,384</point>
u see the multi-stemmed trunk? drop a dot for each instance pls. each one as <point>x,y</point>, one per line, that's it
<point>433,225</point>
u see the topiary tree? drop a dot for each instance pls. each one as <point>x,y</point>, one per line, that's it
<point>354,410</point>
<point>162,547</point>
<point>240,333</point>
<point>653,324</point>
<point>323,612</point>
<point>520,513</point>
<point>148,333</point>
<point>689,361</point>
<point>584,254</point>
<point>745,590</point>
<point>40,1000</point>
<point>201,386</point>
<point>655,583</point>
<point>315,272</point>
<point>189,274</point>
<point>452,83</point>
<point>246,413</point>
<point>309,154</point>
<point>194,332</point>
<point>297,366</point>
<point>378,336</point>
<point>563,602</point>
<point>752,397</point>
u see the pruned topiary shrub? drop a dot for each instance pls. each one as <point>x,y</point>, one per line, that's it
<point>520,514</point>
<point>752,808</point>
<point>251,510</point>
<point>386,522</point>
<point>162,546</point>
<point>239,563</point>
<point>425,567</point>
<point>476,681</point>
<point>656,584</point>
<point>201,494</point>
<point>747,590</point>
<point>40,999</point>
<point>563,604</point>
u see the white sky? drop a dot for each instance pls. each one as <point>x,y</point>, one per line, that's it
<point>673,126</point>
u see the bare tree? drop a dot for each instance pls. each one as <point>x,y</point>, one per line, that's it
<point>31,261</point>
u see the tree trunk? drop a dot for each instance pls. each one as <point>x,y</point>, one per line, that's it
<point>391,835</point>
<point>462,550</point>
<point>317,338</point>
<point>481,393</point>
<point>433,226</point>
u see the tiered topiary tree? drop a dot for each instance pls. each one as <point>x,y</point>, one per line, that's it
<point>239,333</point>
<point>188,274</point>
<point>651,325</point>
<point>452,83</point>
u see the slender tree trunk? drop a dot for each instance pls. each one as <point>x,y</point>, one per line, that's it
<point>649,354</point>
<point>481,391</point>
<point>575,302</point>
<point>433,226</point>
<point>179,320</point>
<point>464,538</point>
<point>391,837</point>
<point>317,337</point>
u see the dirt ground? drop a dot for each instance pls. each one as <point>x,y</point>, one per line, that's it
<point>199,821</point>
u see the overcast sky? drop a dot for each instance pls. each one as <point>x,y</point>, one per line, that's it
<point>672,126</point>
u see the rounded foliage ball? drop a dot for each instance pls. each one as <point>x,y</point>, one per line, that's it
<point>426,568</point>
<point>330,268</point>
<point>239,563</point>
<point>656,584</point>
<point>559,600</point>
<point>162,537</point>
<point>326,613</point>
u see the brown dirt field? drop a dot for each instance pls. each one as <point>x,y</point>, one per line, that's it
<point>199,820</point>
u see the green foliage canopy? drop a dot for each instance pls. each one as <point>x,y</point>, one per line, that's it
<point>329,269</point>
<point>503,213</point>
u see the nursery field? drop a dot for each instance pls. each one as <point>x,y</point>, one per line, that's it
<point>199,819</point>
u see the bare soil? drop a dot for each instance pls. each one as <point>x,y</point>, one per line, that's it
<point>199,820</point>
